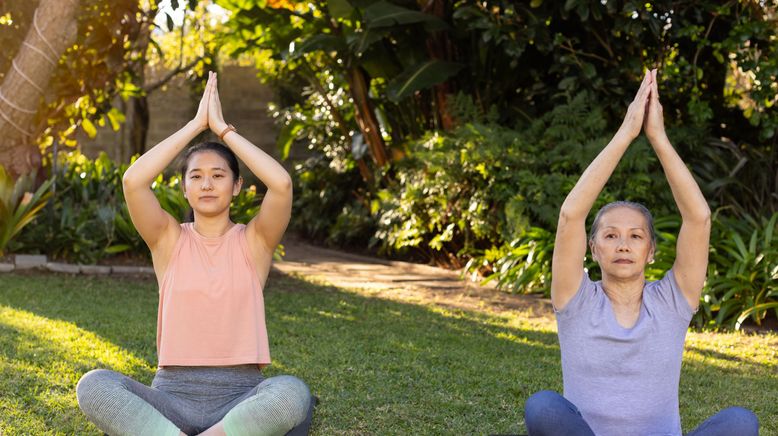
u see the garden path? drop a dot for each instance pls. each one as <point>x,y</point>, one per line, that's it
<point>403,281</point>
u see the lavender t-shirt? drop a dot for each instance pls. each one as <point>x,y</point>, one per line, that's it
<point>625,381</point>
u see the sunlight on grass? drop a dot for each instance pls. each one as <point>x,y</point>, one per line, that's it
<point>380,365</point>
<point>41,361</point>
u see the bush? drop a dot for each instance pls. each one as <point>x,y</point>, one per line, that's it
<point>326,206</point>
<point>87,219</point>
<point>465,193</point>
<point>18,204</point>
<point>742,281</point>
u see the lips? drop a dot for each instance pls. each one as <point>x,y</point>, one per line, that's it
<point>623,261</point>
<point>208,197</point>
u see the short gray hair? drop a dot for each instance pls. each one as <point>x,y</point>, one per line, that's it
<point>631,205</point>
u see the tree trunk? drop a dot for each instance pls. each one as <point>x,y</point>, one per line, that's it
<point>366,119</point>
<point>54,29</point>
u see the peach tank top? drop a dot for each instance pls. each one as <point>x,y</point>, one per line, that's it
<point>211,309</point>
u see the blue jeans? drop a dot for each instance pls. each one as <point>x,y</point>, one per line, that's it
<point>547,414</point>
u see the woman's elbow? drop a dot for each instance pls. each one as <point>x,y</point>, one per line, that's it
<point>700,217</point>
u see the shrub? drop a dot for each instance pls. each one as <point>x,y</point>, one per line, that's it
<point>742,281</point>
<point>87,219</point>
<point>483,186</point>
<point>19,206</point>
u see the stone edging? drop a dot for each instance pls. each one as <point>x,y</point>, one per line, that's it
<point>39,261</point>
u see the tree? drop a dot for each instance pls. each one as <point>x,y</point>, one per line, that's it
<point>53,31</point>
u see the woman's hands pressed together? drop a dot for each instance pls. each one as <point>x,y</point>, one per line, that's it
<point>209,111</point>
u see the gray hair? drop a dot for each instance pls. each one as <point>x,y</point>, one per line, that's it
<point>629,204</point>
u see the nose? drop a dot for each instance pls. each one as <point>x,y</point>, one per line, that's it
<point>207,185</point>
<point>623,246</point>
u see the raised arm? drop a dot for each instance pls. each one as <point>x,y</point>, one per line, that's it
<point>570,243</point>
<point>691,259</point>
<point>270,223</point>
<point>151,221</point>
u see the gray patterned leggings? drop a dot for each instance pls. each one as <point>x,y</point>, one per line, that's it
<point>191,399</point>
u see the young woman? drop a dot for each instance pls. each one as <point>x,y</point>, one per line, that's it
<point>622,338</point>
<point>211,335</point>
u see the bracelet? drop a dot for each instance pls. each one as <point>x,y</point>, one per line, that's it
<point>228,129</point>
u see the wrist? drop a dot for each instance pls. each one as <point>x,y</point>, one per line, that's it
<point>657,138</point>
<point>218,128</point>
<point>197,127</point>
<point>625,134</point>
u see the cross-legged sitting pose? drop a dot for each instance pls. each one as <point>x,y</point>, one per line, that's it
<point>211,335</point>
<point>622,338</point>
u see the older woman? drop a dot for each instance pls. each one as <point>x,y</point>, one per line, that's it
<point>622,338</point>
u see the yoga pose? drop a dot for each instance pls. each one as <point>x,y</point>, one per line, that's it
<point>211,335</point>
<point>622,338</point>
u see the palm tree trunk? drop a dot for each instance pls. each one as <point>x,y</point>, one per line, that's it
<point>53,30</point>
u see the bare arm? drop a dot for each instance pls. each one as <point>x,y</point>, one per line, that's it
<point>691,260</point>
<point>570,242</point>
<point>151,221</point>
<point>270,223</point>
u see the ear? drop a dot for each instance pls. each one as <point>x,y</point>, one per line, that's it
<point>592,249</point>
<point>236,187</point>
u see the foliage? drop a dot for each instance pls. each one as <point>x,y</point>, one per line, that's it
<point>482,186</point>
<point>80,223</point>
<point>90,73</point>
<point>742,274</point>
<point>19,206</point>
<point>325,209</point>
<point>87,218</point>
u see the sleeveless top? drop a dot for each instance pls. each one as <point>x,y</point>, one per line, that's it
<point>624,381</point>
<point>211,308</point>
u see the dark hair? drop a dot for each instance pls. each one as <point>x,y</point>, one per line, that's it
<point>628,204</point>
<point>216,147</point>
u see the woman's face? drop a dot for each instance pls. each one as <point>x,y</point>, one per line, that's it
<point>622,245</point>
<point>208,184</point>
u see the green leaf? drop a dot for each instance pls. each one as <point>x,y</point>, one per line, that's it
<point>118,248</point>
<point>340,9</point>
<point>362,40</point>
<point>88,127</point>
<point>383,14</point>
<point>321,42</point>
<point>421,76</point>
<point>170,23</point>
<point>286,137</point>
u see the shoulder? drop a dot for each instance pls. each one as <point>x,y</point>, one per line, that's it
<point>666,294</point>
<point>587,294</point>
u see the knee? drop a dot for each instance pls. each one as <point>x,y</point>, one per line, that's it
<point>742,421</point>
<point>291,394</point>
<point>295,391</point>
<point>92,387</point>
<point>539,406</point>
<point>540,401</point>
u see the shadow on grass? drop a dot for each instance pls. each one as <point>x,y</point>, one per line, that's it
<point>379,367</point>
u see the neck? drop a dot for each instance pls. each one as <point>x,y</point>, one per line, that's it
<point>212,226</point>
<point>624,292</point>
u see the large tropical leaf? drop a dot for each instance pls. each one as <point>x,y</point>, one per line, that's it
<point>384,14</point>
<point>340,9</point>
<point>320,42</point>
<point>421,76</point>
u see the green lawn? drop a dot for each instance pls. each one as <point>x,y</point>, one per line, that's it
<point>379,367</point>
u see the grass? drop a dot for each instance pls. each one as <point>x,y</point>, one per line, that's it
<point>378,366</point>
